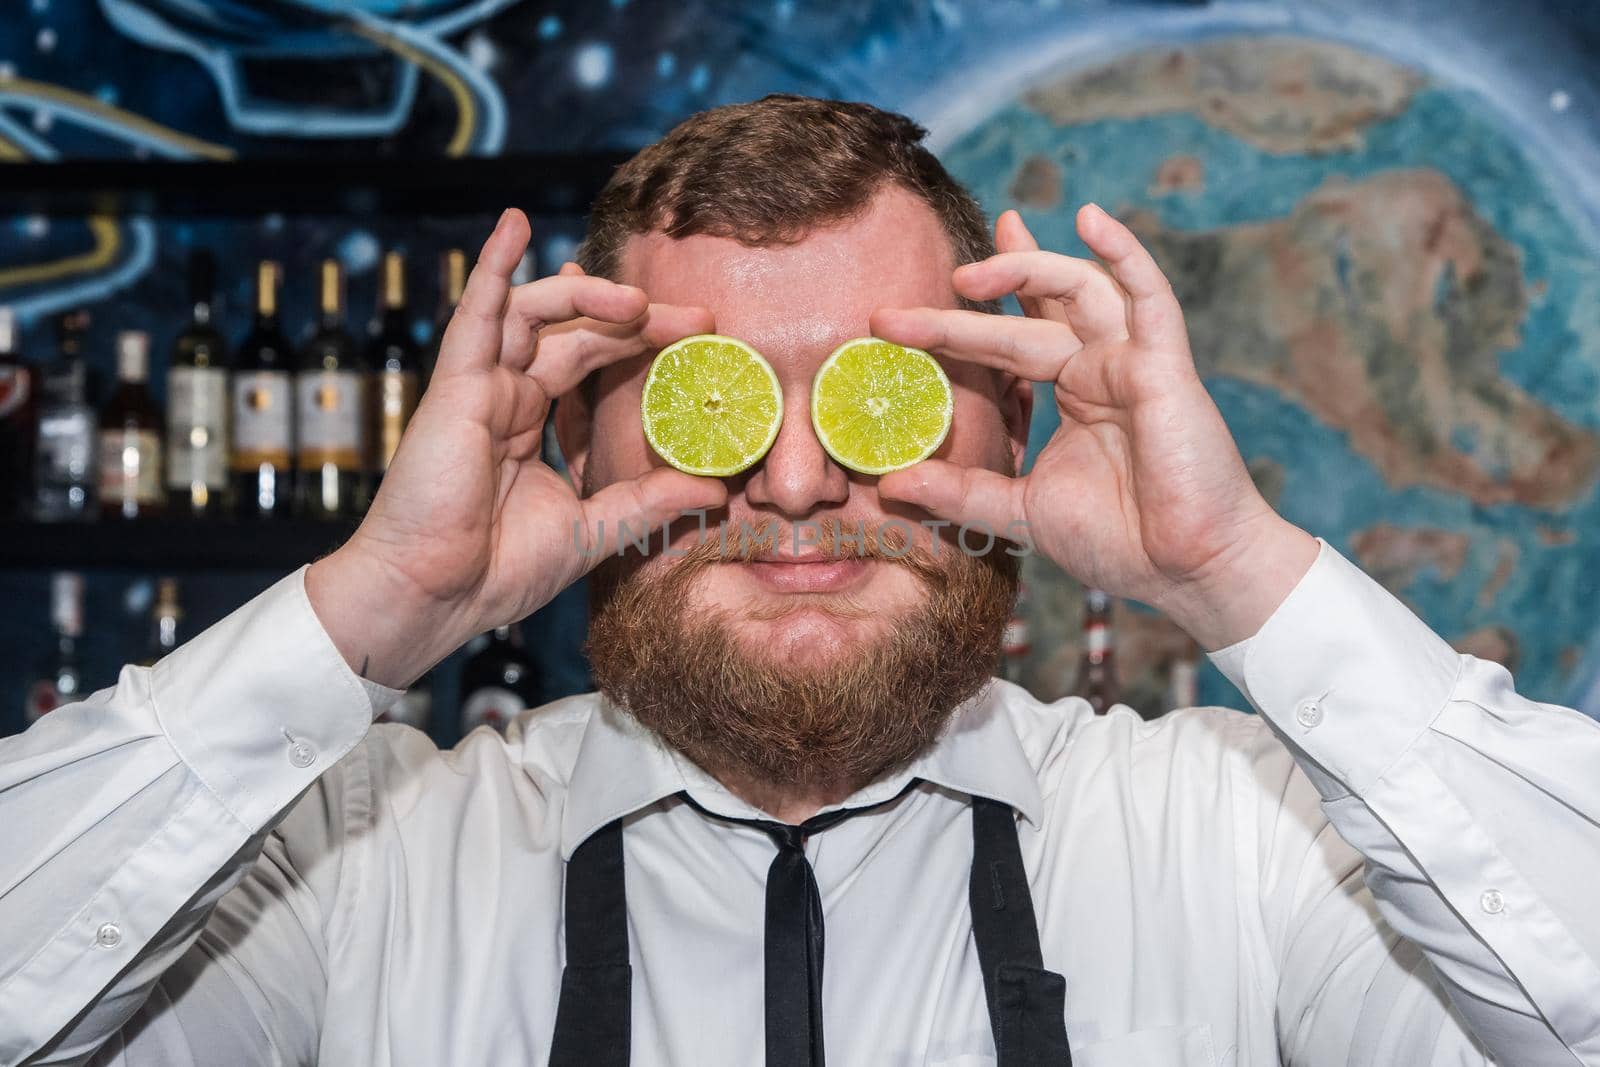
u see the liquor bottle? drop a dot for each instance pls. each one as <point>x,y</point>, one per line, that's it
<point>396,365</point>
<point>262,456</point>
<point>1097,671</point>
<point>1183,677</point>
<point>452,283</point>
<point>19,420</point>
<point>1015,641</point>
<point>197,404</point>
<point>130,436</point>
<point>164,619</point>
<point>498,680</point>
<point>415,706</point>
<point>59,680</point>
<point>331,411</point>
<point>65,464</point>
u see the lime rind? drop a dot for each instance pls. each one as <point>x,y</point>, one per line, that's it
<point>879,407</point>
<point>673,412</point>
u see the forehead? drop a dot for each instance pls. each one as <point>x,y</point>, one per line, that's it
<point>803,299</point>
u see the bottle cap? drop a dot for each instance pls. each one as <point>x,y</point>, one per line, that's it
<point>133,355</point>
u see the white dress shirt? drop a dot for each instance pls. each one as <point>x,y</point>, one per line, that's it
<point>221,861</point>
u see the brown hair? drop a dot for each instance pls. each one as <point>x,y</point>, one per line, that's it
<point>770,172</point>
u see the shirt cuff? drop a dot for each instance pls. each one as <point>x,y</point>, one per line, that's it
<point>262,703</point>
<point>1345,674</point>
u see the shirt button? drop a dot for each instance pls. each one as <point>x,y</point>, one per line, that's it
<point>1492,901</point>
<point>302,754</point>
<point>1309,714</point>
<point>108,936</point>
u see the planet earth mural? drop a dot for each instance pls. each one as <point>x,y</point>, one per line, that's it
<point>1396,311</point>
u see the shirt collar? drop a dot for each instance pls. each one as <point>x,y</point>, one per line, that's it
<point>622,767</point>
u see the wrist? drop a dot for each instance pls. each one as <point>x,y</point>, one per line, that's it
<point>387,630</point>
<point>1233,597</point>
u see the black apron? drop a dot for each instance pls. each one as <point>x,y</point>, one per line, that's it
<point>1026,1002</point>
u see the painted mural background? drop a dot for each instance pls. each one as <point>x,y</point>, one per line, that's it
<point>1383,220</point>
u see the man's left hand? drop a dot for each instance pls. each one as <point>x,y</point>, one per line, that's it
<point>1141,490</point>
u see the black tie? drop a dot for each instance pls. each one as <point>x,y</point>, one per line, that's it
<point>794,934</point>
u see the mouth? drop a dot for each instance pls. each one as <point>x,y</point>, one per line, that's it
<point>809,572</point>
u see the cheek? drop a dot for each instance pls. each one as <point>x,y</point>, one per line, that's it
<point>617,447</point>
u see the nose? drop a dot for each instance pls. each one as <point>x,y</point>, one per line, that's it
<point>797,476</point>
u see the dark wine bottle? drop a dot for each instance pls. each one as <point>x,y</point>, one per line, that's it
<point>19,420</point>
<point>197,404</point>
<point>396,365</point>
<point>498,680</point>
<point>131,436</point>
<point>59,679</point>
<point>452,283</point>
<point>263,409</point>
<point>331,411</point>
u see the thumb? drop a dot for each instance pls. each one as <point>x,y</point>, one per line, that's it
<point>641,506</point>
<point>982,499</point>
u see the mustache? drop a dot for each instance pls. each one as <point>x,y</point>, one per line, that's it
<point>831,539</point>
<point>773,540</point>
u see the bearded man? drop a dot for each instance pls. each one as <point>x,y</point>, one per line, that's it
<point>799,822</point>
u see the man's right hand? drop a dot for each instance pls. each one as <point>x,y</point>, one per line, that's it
<point>471,529</point>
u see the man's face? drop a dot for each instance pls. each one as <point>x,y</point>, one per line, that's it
<point>795,304</point>
<point>800,667</point>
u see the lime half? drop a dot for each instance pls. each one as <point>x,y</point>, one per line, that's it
<point>711,405</point>
<point>878,407</point>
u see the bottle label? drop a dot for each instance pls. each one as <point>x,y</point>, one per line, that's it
<point>1097,638</point>
<point>414,708</point>
<point>15,388</point>
<point>263,419</point>
<point>397,399</point>
<point>331,416</point>
<point>490,706</point>
<point>197,427</point>
<point>66,445</point>
<point>130,466</point>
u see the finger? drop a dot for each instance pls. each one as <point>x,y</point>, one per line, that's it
<point>971,496</point>
<point>1089,299</point>
<point>569,269</point>
<point>1035,349</point>
<point>1154,316</point>
<point>569,352</point>
<point>472,339</point>
<point>560,298</point>
<point>1011,235</point>
<point>646,503</point>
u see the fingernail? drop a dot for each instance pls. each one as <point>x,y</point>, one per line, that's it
<point>506,214</point>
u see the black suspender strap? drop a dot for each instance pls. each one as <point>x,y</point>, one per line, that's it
<point>1027,1004</point>
<point>594,1017</point>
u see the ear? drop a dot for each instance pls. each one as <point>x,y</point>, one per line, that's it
<point>574,428</point>
<point>1016,409</point>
